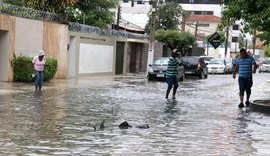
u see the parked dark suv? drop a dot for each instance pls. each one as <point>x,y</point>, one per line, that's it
<point>195,65</point>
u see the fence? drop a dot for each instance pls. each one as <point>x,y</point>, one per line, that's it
<point>25,12</point>
<point>76,27</point>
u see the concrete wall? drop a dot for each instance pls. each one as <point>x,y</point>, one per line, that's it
<point>26,37</point>
<point>29,37</point>
<point>95,58</point>
<point>55,45</point>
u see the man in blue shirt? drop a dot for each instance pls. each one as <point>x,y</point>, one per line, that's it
<point>244,68</point>
<point>172,72</point>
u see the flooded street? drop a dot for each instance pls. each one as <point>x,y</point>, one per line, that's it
<point>204,119</point>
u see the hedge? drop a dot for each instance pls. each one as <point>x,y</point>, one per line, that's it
<point>23,69</point>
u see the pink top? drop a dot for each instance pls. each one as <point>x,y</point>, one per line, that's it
<point>39,65</point>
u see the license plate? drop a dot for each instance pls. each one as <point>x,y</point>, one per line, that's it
<point>160,75</point>
<point>188,72</point>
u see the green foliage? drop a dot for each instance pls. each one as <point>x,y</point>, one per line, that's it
<point>254,14</point>
<point>50,69</point>
<point>175,39</point>
<point>97,13</point>
<point>167,17</point>
<point>267,52</point>
<point>23,69</point>
<point>54,6</point>
<point>14,2</point>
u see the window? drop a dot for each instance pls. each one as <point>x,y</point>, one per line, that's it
<point>203,24</point>
<point>140,1</point>
<point>191,1</point>
<point>235,27</point>
<point>125,1</point>
<point>234,39</point>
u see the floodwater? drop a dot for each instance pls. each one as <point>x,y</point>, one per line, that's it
<point>204,119</point>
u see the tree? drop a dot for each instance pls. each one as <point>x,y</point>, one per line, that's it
<point>254,14</point>
<point>167,17</point>
<point>54,6</point>
<point>14,2</point>
<point>174,39</point>
<point>267,52</point>
<point>95,12</point>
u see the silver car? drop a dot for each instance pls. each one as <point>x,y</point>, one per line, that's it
<point>264,66</point>
<point>158,69</point>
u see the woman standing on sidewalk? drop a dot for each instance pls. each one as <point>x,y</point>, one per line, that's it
<point>38,67</point>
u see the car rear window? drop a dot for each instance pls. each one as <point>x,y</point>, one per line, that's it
<point>216,61</point>
<point>161,62</point>
<point>207,58</point>
<point>191,60</point>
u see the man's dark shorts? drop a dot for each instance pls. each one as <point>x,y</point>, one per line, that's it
<point>245,84</point>
<point>172,81</point>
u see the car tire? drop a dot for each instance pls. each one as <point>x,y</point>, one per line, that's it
<point>182,78</point>
<point>150,78</point>
<point>205,76</point>
<point>201,75</point>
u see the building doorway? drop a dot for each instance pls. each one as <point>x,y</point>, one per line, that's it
<point>120,48</point>
<point>4,57</point>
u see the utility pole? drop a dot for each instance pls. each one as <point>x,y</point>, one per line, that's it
<point>226,41</point>
<point>254,40</point>
<point>183,23</point>
<point>196,30</point>
<point>132,3</point>
<point>118,17</point>
<point>151,47</point>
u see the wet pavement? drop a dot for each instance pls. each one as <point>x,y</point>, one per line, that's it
<point>204,119</point>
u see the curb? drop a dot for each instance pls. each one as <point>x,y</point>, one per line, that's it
<point>260,106</point>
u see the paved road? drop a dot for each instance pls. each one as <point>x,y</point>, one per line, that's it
<point>204,120</point>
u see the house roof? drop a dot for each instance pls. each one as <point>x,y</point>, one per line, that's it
<point>203,18</point>
<point>128,26</point>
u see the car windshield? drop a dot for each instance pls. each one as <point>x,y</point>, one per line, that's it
<point>266,62</point>
<point>216,61</point>
<point>161,62</point>
<point>206,58</point>
<point>191,60</point>
<point>228,60</point>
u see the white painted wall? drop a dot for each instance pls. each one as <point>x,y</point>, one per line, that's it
<point>203,7</point>
<point>4,56</point>
<point>95,58</point>
<point>29,37</point>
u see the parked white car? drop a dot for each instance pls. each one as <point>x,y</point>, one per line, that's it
<point>264,66</point>
<point>218,66</point>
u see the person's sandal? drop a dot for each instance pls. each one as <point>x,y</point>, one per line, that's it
<point>241,105</point>
<point>247,103</point>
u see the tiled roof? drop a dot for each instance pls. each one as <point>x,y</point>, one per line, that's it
<point>130,26</point>
<point>203,18</point>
